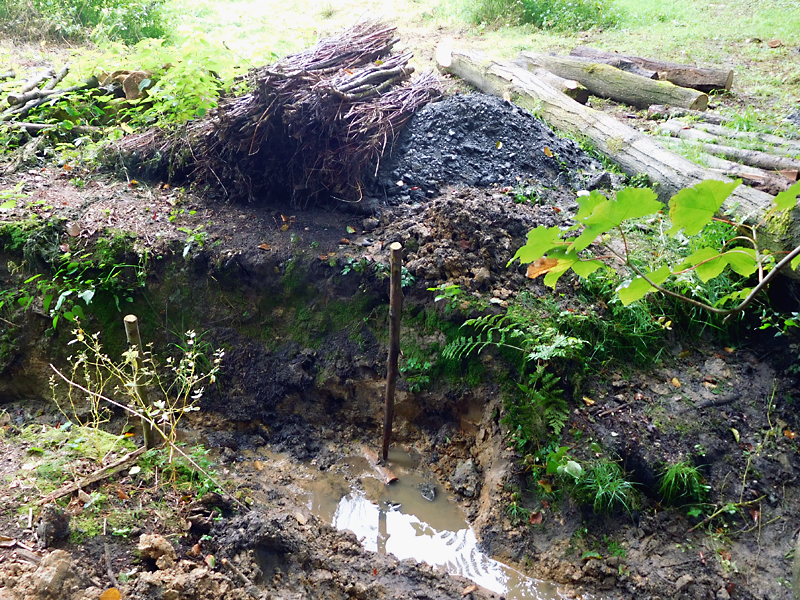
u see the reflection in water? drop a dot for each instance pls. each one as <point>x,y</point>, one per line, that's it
<point>386,529</point>
<point>397,520</point>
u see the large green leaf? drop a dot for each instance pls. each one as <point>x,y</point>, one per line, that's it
<point>587,204</point>
<point>630,203</point>
<point>692,208</point>
<point>636,288</point>
<point>584,268</point>
<point>710,263</point>
<point>540,240</point>
<point>788,199</point>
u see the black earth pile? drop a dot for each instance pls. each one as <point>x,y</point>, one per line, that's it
<point>478,140</point>
<point>312,127</point>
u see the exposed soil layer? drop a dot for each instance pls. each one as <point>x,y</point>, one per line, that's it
<point>301,313</point>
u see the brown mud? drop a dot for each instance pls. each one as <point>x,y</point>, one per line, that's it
<point>298,299</point>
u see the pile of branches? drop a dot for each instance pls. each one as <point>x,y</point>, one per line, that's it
<point>313,127</point>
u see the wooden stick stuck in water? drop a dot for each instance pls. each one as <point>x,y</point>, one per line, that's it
<point>395,310</point>
<point>385,473</point>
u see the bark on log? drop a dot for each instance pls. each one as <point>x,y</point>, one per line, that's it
<point>756,137</point>
<point>622,65</point>
<point>766,181</point>
<point>709,143</point>
<point>36,80</point>
<point>609,82</point>
<point>15,99</point>
<point>659,111</point>
<point>568,87</point>
<point>704,80</point>
<point>633,151</point>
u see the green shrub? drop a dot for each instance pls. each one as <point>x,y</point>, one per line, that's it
<point>682,483</point>
<point>125,20</point>
<point>574,15</point>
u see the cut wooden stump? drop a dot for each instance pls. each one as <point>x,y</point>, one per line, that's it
<point>704,80</point>
<point>609,82</point>
<point>633,151</point>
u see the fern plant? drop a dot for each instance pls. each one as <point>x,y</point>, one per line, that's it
<point>541,404</point>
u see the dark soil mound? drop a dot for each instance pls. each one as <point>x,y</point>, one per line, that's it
<point>478,140</point>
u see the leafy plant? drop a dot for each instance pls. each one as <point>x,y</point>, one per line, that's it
<point>541,402</point>
<point>603,485</point>
<point>572,15</point>
<point>691,210</point>
<point>682,482</point>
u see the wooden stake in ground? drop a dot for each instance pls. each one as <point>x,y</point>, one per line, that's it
<point>395,310</point>
<point>132,333</point>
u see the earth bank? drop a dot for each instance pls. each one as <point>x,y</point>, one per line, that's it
<point>299,303</point>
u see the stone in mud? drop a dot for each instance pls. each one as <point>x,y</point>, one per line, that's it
<point>466,479</point>
<point>428,491</point>
<point>53,525</point>
<point>154,546</point>
<point>683,581</point>
<point>53,570</point>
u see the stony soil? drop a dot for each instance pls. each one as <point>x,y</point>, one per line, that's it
<point>317,401</point>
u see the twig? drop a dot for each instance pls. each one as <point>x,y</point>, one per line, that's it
<point>726,508</point>
<point>109,567</point>
<point>250,587</point>
<point>107,471</point>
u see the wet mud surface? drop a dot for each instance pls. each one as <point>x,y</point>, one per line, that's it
<point>315,391</point>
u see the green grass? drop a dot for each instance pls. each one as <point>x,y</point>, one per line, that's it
<point>603,486</point>
<point>682,483</point>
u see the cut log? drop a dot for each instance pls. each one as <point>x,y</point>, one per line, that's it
<point>756,137</point>
<point>704,80</point>
<point>18,98</point>
<point>710,144</point>
<point>36,80</point>
<point>622,65</point>
<point>766,181</point>
<point>659,111</point>
<point>633,151</point>
<point>34,127</point>
<point>568,87</point>
<point>7,75</point>
<point>609,82</point>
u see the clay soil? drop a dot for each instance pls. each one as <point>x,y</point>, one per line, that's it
<point>452,194</point>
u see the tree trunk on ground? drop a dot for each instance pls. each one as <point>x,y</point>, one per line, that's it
<point>609,82</point>
<point>756,137</point>
<point>760,179</point>
<point>634,152</point>
<point>568,87</point>
<point>704,80</point>
<point>657,111</point>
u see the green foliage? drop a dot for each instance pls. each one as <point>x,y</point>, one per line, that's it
<point>417,373</point>
<point>682,483</point>
<point>691,211</point>
<point>540,404</point>
<point>560,15</point>
<point>126,20</point>
<point>603,485</point>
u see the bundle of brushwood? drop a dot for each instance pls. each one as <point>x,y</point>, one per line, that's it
<point>311,128</point>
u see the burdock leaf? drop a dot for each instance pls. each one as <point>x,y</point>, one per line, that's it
<point>637,288</point>
<point>788,199</point>
<point>540,240</point>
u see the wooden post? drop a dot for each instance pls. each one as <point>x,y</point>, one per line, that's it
<point>132,333</point>
<point>395,309</point>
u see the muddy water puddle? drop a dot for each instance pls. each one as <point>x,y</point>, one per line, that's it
<point>397,519</point>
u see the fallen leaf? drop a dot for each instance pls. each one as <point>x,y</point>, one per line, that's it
<point>498,145</point>
<point>775,43</point>
<point>535,518</point>
<point>588,401</point>
<point>730,350</point>
<point>73,229</point>
<point>135,470</point>
<point>736,435</point>
<point>344,242</point>
<point>195,550</point>
<point>258,465</point>
<point>545,505</point>
<point>468,590</point>
<point>556,209</point>
<point>724,554</point>
<point>265,246</point>
<point>64,247</point>
<point>122,495</point>
<point>211,561</point>
<point>67,167</point>
<point>374,572</point>
<point>756,514</point>
<point>546,486</point>
<point>285,227</point>
<point>547,152</point>
<point>790,174</point>
<point>709,385</point>
<point>323,257</point>
<point>464,244</point>
<point>84,497</point>
<point>684,354</point>
<point>541,266</point>
<point>674,381</point>
<point>111,594</point>
<point>638,396</point>
<point>7,542</point>
<point>789,434</point>
<point>350,229</point>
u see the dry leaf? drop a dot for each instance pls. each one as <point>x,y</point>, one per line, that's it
<point>323,257</point>
<point>684,354</point>
<point>775,43</point>
<point>546,486</point>
<point>789,434</point>
<point>344,242</point>
<point>547,152</point>
<point>111,594</point>
<point>541,266</point>
<point>588,401</point>
<point>709,385</point>
<point>84,497</point>
<point>498,145</point>
<point>211,561</point>
<point>638,396</point>
<point>285,227</point>
<point>301,518</point>
<point>7,542</point>
<point>535,518</point>
<point>265,246</point>
<point>195,550</point>
<point>73,229</point>
<point>790,174</point>
<point>468,590</point>
<point>730,350</point>
<point>756,514</point>
<point>674,381</point>
<point>258,465</point>
<point>350,229</point>
<point>122,495</point>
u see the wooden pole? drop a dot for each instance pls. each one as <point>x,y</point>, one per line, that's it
<point>132,333</point>
<point>395,309</point>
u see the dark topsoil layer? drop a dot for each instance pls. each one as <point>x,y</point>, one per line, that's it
<point>316,399</point>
